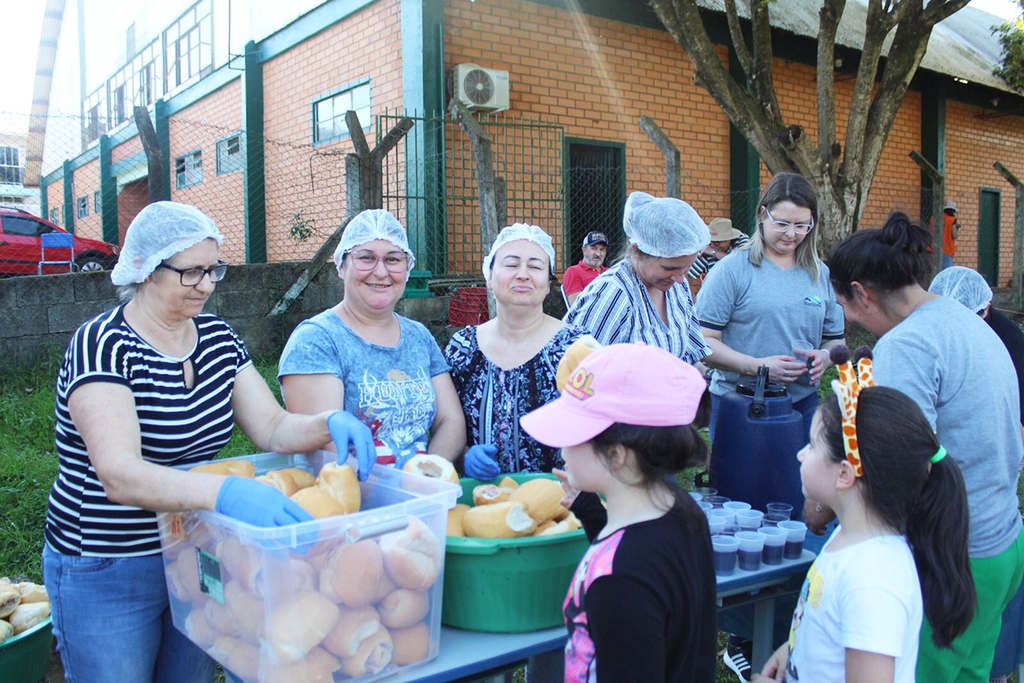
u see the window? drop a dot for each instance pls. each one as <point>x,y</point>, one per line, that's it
<point>83,206</point>
<point>55,215</point>
<point>188,45</point>
<point>230,154</point>
<point>188,169</point>
<point>10,166</point>
<point>96,201</point>
<point>24,227</point>
<point>118,104</point>
<point>329,112</point>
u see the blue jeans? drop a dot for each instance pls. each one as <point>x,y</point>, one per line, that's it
<point>112,621</point>
<point>947,261</point>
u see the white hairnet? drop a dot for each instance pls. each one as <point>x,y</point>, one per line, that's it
<point>370,225</point>
<point>158,232</point>
<point>963,284</point>
<point>664,227</point>
<point>520,231</point>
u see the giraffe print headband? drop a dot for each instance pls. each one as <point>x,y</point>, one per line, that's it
<point>847,389</point>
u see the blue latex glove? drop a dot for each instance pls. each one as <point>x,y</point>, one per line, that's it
<point>346,429</point>
<point>479,462</point>
<point>258,504</point>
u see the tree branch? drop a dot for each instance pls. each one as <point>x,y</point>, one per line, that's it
<point>739,43</point>
<point>828,23</point>
<point>762,77</point>
<point>937,10</point>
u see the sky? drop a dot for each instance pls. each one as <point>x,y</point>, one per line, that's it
<point>26,17</point>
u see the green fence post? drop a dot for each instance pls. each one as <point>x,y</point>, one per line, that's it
<point>933,140</point>
<point>44,200</point>
<point>163,136</point>
<point>255,187</point>
<point>69,197</point>
<point>108,193</point>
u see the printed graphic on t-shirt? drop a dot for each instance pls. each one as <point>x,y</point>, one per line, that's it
<point>398,409</point>
<point>580,661</point>
<point>810,594</point>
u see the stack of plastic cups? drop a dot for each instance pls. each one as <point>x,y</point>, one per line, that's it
<point>795,533</point>
<point>716,501</point>
<point>706,508</point>
<point>736,505</point>
<point>749,520</point>
<point>777,512</point>
<point>716,525</point>
<point>774,544</point>
<point>750,549</point>
<point>728,516</point>
<point>725,554</point>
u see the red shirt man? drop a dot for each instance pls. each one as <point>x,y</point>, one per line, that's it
<point>576,278</point>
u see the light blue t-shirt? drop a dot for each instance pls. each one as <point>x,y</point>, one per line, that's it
<point>953,365</point>
<point>762,310</point>
<point>387,387</point>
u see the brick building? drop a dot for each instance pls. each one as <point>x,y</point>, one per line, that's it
<point>258,140</point>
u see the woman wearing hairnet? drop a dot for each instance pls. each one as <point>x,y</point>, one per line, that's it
<point>359,355</point>
<point>148,385</point>
<point>506,367</point>
<point>644,297</point>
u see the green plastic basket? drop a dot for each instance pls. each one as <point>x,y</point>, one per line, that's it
<point>25,657</point>
<point>508,585</point>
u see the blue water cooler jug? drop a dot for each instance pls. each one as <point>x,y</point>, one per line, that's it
<point>757,437</point>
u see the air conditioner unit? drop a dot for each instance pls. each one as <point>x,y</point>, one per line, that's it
<point>480,89</point>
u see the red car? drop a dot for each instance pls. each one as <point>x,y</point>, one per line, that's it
<point>21,249</point>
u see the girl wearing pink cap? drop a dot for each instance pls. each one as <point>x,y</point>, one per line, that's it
<point>642,603</point>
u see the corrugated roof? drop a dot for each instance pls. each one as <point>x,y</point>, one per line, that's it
<point>962,46</point>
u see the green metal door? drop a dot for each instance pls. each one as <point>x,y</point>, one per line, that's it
<point>596,193</point>
<point>988,235</point>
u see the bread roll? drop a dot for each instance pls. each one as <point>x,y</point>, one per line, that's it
<point>573,521</point>
<point>318,502</point>
<point>221,619</point>
<point>25,617</point>
<point>281,481</point>
<point>6,630</point>
<point>455,520</point>
<point>556,528</point>
<point>9,601</point>
<point>244,563</point>
<point>318,665</point>
<point>32,592</point>
<point>297,576</point>
<point>353,627</point>
<point>577,351</point>
<point>488,494</point>
<point>544,527</point>
<point>240,468</point>
<point>301,477</point>
<point>403,608</point>
<point>183,577</point>
<point>410,644</point>
<point>543,498</point>
<point>352,573</point>
<point>508,483</point>
<point>5,584</point>
<point>373,655</point>
<point>432,466</point>
<point>385,588</point>
<point>412,556</point>
<point>198,629</point>
<point>246,610</point>
<point>502,520</point>
<point>298,626</point>
<point>238,656</point>
<point>342,484</point>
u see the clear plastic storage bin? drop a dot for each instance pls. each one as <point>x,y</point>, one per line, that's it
<point>353,597</point>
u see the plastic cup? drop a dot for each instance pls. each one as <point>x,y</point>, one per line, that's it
<point>750,550</point>
<point>729,516</point>
<point>696,496</point>
<point>717,501</point>
<point>705,491</point>
<point>780,508</point>
<point>774,544</point>
<point>802,345</point>
<point>795,534</point>
<point>736,505</point>
<point>725,549</point>
<point>716,525</point>
<point>749,520</point>
<point>773,519</point>
<point>706,508</point>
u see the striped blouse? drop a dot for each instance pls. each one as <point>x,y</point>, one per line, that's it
<point>178,425</point>
<point>703,264</point>
<point>616,309</point>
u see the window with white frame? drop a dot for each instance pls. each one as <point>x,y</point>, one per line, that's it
<point>96,201</point>
<point>11,171</point>
<point>188,169</point>
<point>188,45</point>
<point>329,112</point>
<point>55,215</point>
<point>83,206</point>
<point>230,154</point>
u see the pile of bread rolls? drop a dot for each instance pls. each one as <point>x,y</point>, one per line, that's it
<point>510,510</point>
<point>340,607</point>
<point>22,606</point>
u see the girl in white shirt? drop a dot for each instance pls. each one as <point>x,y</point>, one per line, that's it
<point>902,508</point>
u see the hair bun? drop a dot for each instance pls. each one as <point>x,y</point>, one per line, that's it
<point>899,232</point>
<point>839,354</point>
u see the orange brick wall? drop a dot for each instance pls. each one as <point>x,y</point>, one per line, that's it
<point>126,149</point>
<point>305,184</point>
<point>87,182</point>
<point>55,200</point>
<point>199,126</point>
<point>972,145</point>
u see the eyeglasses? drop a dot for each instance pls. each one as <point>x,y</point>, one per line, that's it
<point>784,226</point>
<point>190,277</point>
<point>365,261</point>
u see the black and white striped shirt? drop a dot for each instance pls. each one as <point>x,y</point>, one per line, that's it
<point>703,263</point>
<point>616,309</point>
<point>178,425</point>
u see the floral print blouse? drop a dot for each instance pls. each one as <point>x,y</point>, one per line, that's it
<point>494,399</point>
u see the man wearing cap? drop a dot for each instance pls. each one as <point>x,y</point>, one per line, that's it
<point>724,238</point>
<point>950,232</point>
<point>576,278</point>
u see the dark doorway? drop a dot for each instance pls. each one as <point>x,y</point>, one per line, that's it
<point>988,235</point>
<point>131,199</point>
<point>596,193</point>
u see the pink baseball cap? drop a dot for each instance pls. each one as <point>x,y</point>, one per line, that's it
<point>629,383</point>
